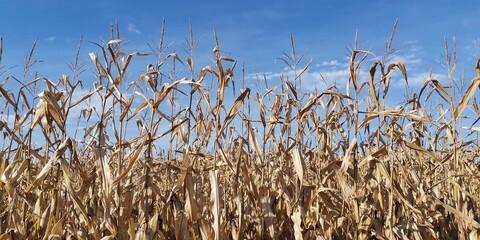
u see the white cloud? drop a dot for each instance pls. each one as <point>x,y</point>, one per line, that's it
<point>311,80</point>
<point>409,53</point>
<point>132,28</point>
<point>412,45</point>
<point>52,38</point>
<point>329,63</point>
<point>416,79</point>
<point>329,73</point>
<point>408,59</point>
<point>473,48</point>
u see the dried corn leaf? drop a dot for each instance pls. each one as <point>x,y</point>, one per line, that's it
<point>133,157</point>
<point>234,110</point>
<point>346,160</point>
<point>215,200</point>
<point>292,89</point>
<point>76,200</point>
<point>268,216</point>
<point>467,219</point>
<point>191,206</point>
<point>299,164</point>
<point>399,65</point>
<point>21,121</point>
<point>421,150</point>
<point>308,106</point>
<point>472,88</point>
<point>353,76</point>
<point>7,97</point>
<point>297,223</point>
<point>303,70</point>
<point>57,230</point>
<point>86,96</point>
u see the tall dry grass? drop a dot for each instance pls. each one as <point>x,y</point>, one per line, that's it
<point>274,163</point>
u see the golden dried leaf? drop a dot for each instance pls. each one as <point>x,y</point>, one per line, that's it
<point>371,84</point>
<point>297,222</point>
<point>268,216</point>
<point>215,200</point>
<point>234,110</point>
<point>312,101</point>
<point>57,230</point>
<point>472,88</point>
<point>399,65</point>
<point>299,164</point>
<point>191,206</point>
<point>5,94</point>
<point>292,89</point>
<point>133,157</point>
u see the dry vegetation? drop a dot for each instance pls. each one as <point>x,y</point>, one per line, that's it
<point>274,163</point>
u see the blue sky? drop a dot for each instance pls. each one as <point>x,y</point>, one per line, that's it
<point>252,32</point>
<point>255,33</point>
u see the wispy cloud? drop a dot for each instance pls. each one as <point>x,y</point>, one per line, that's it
<point>268,14</point>
<point>52,38</point>
<point>409,52</point>
<point>312,80</point>
<point>416,79</point>
<point>473,48</point>
<point>408,59</point>
<point>328,63</point>
<point>132,28</point>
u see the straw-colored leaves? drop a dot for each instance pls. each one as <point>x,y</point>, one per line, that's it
<point>472,88</point>
<point>234,110</point>
<point>297,222</point>
<point>353,76</point>
<point>313,100</point>
<point>67,144</point>
<point>7,97</point>
<point>391,68</point>
<point>371,85</point>
<point>437,87</point>
<point>215,201</point>
<point>49,110</point>
<point>299,164</point>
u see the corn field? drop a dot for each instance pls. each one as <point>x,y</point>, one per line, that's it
<point>158,156</point>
